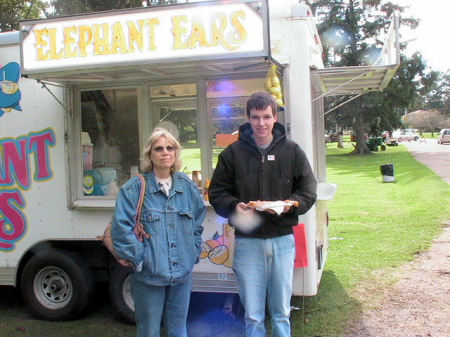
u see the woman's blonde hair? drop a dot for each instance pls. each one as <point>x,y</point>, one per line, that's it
<point>146,163</point>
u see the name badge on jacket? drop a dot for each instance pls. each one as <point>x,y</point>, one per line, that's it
<point>271,157</point>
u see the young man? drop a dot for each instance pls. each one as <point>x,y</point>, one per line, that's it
<point>263,165</point>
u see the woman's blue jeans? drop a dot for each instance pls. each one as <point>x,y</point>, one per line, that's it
<point>264,270</point>
<point>155,303</point>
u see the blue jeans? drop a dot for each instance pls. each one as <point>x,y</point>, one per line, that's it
<point>155,303</point>
<point>264,269</point>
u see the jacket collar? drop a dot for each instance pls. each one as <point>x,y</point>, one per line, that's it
<point>153,187</point>
<point>246,132</point>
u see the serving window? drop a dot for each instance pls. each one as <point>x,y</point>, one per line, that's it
<point>226,110</point>
<point>204,116</point>
<point>109,139</point>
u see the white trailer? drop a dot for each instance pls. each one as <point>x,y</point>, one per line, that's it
<point>92,89</point>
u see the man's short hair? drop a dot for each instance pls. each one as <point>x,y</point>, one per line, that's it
<point>260,101</point>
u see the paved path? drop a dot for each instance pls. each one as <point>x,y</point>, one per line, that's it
<point>430,153</point>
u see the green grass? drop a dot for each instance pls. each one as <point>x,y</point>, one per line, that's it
<point>378,227</point>
<point>15,321</point>
<point>428,134</point>
<point>191,159</point>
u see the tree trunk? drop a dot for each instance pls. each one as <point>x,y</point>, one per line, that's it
<point>361,147</point>
<point>339,141</point>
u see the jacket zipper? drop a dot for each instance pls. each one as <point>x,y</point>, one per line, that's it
<point>262,176</point>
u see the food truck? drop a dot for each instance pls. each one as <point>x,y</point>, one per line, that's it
<point>81,94</point>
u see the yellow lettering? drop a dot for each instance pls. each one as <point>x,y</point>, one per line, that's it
<point>53,53</point>
<point>178,32</point>
<point>101,46</point>
<point>84,39</point>
<point>135,35</point>
<point>218,32</point>
<point>197,35</point>
<point>151,36</point>
<point>40,42</point>
<point>68,41</point>
<point>239,27</point>
<point>118,41</point>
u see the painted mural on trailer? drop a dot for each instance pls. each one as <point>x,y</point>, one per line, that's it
<point>10,94</point>
<point>219,249</point>
<point>19,158</point>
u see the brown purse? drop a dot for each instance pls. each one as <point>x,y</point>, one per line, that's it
<point>138,228</point>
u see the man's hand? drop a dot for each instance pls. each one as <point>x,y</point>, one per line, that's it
<point>242,208</point>
<point>245,218</point>
<point>286,208</point>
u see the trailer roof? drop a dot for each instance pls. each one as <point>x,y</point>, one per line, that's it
<point>7,38</point>
<point>149,43</point>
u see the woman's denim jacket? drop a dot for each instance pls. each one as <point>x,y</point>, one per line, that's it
<point>174,224</point>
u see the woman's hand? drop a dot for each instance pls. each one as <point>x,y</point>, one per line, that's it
<point>123,262</point>
<point>140,232</point>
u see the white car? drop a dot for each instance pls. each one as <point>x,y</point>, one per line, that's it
<point>444,136</point>
<point>406,134</point>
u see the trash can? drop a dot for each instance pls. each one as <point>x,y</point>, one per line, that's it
<point>387,171</point>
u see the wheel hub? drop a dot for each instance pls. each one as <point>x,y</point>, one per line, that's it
<point>53,287</point>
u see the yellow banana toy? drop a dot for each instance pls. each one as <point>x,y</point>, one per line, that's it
<point>273,85</point>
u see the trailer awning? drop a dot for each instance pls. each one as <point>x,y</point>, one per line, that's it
<point>352,80</point>
<point>159,71</point>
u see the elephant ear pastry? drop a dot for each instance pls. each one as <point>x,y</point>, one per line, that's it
<point>276,206</point>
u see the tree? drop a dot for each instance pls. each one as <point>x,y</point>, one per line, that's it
<point>425,119</point>
<point>13,11</point>
<point>70,7</point>
<point>436,88</point>
<point>350,32</point>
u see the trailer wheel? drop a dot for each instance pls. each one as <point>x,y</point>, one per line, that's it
<point>120,294</point>
<point>56,285</point>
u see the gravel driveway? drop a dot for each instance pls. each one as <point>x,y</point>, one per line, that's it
<point>419,304</point>
<point>435,156</point>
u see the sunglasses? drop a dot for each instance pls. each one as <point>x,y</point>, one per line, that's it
<point>161,149</point>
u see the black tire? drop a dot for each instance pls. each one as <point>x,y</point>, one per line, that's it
<point>120,294</point>
<point>375,148</point>
<point>416,138</point>
<point>383,147</point>
<point>56,285</point>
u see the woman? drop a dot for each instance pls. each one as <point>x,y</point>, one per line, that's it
<point>172,216</point>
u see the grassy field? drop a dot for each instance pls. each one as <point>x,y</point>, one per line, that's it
<point>375,227</point>
<point>429,135</point>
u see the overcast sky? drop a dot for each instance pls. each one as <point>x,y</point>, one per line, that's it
<point>432,35</point>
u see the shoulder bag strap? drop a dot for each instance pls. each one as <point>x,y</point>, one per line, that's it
<point>141,197</point>
<point>139,228</point>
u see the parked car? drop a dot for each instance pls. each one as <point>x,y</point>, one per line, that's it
<point>444,136</point>
<point>388,140</point>
<point>406,134</point>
